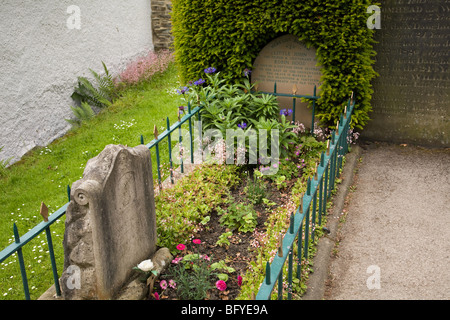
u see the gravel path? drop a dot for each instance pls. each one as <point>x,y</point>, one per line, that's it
<point>395,241</point>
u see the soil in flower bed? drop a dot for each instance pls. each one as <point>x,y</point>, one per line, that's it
<point>239,252</point>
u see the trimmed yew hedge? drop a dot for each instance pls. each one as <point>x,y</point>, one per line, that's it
<point>228,35</point>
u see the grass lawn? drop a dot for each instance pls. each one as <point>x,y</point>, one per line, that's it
<point>45,173</point>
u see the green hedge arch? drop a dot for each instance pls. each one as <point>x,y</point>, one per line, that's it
<point>228,35</point>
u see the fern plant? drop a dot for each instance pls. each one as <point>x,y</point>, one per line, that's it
<point>101,94</point>
<point>82,113</point>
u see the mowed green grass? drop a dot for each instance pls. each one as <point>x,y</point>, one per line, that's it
<point>45,173</point>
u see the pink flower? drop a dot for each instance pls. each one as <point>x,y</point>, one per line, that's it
<point>239,281</point>
<point>172,284</point>
<point>221,285</point>
<point>163,284</point>
<point>181,247</point>
<point>205,256</point>
<point>197,241</point>
<point>156,295</point>
<point>146,66</point>
<point>176,260</point>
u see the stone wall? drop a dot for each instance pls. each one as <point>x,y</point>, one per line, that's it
<point>161,26</point>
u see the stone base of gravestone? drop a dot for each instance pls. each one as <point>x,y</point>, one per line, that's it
<point>110,223</point>
<point>135,289</point>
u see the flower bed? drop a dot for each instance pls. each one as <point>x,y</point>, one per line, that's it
<point>222,222</point>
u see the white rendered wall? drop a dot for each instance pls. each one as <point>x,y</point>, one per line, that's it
<point>42,52</point>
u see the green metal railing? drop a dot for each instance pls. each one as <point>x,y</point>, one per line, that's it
<point>318,190</point>
<point>167,134</point>
<point>20,241</point>
<point>296,96</point>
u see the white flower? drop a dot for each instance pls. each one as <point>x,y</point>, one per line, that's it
<point>146,265</point>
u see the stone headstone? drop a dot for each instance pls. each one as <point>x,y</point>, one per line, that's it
<point>411,99</point>
<point>288,62</point>
<point>110,223</point>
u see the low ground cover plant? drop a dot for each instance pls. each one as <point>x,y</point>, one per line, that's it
<point>233,229</point>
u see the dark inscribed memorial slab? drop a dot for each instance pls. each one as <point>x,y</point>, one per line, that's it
<point>411,96</point>
<point>288,62</point>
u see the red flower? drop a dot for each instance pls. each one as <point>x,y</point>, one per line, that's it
<point>181,247</point>
<point>239,281</point>
<point>197,241</point>
<point>221,285</point>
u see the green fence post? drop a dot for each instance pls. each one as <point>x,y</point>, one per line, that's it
<point>320,201</point>
<point>299,240</point>
<point>314,199</point>
<point>21,264</point>
<point>290,262</point>
<point>340,141</point>
<point>190,133</point>
<point>293,109</point>
<point>332,162</point>
<point>305,253</point>
<point>53,261</point>
<point>170,150</point>
<point>280,285</point>
<point>68,192</point>
<point>158,162</point>
<point>313,111</point>
<point>299,248</point>
<point>180,141</point>
<point>200,135</point>
<point>335,160</point>
<point>308,193</point>
<point>268,282</point>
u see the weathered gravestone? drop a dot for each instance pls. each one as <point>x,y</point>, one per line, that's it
<point>411,100</point>
<point>288,62</point>
<point>110,223</point>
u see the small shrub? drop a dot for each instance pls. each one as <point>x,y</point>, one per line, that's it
<point>228,106</point>
<point>255,190</point>
<point>82,113</point>
<point>193,277</point>
<point>100,93</point>
<point>238,216</point>
<point>223,239</point>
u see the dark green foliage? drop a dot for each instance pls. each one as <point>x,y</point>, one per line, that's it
<point>228,35</point>
<point>81,113</point>
<point>101,94</point>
